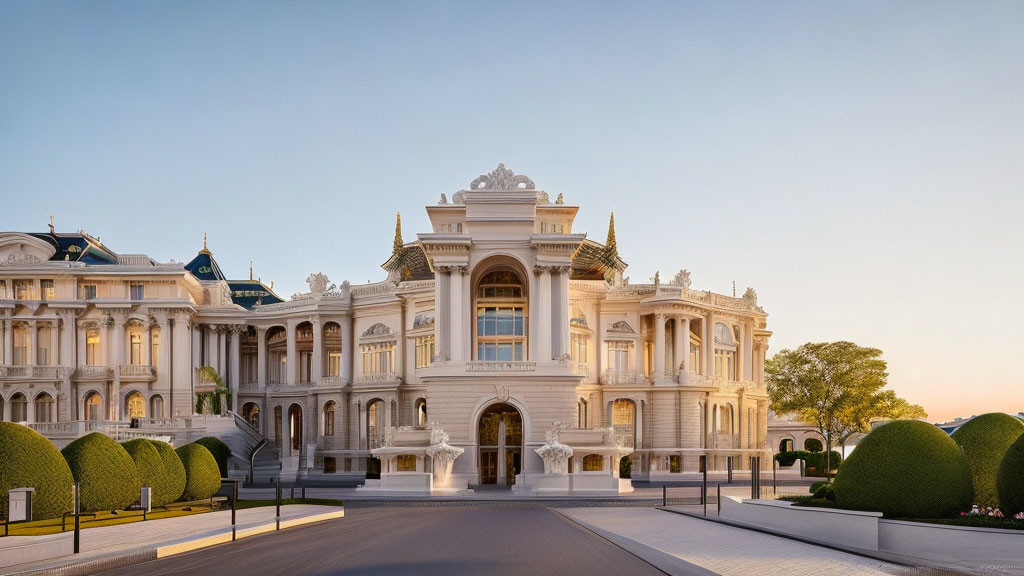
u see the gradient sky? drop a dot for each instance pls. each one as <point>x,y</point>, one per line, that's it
<point>859,164</point>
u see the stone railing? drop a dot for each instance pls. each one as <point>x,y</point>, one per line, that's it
<point>55,428</point>
<point>137,371</point>
<point>623,378</point>
<point>495,366</point>
<point>248,385</point>
<point>333,381</point>
<point>373,289</point>
<point>623,435</point>
<point>93,372</point>
<point>34,372</point>
<point>667,376</point>
<point>375,377</point>
<point>581,368</point>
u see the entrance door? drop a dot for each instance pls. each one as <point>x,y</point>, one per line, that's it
<point>500,438</point>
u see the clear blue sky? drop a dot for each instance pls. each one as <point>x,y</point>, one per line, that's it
<point>859,164</point>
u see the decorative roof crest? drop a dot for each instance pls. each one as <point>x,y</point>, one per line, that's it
<point>502,179</point>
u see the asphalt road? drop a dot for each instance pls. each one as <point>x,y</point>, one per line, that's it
<point>421,541</point>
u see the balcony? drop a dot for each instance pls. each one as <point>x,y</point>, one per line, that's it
<point>33,372</point>
<point>93,373</point>
<point>581,368</point>
<point>137,372</point>
<point>617,378</point>
<point>376,378</point>
<point>495,366</point>
<point>332,382</point>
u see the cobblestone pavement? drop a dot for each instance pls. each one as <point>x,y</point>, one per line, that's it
<point>729,551</point>
<point>442,541</point>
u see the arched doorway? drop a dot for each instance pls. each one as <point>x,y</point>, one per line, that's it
<point>251,414</point>
<point>295,421</point>
<point>500,441</point>
<point>135,405</point>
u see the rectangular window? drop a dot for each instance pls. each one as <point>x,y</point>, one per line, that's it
<point>136,291</point>
<point>22,343</point>
<point>47,290</point>
<point>43,347</point>
<point>92,347</point>
<point>25,290</point>
<point>618,356</point>
<point>501,333</point>
<point>3,289</point>
<point>424,351</point>
<point>406,463</point>
<point>378,358</point>
<point>334,363</point>
<point>87,291</point>
<point>578,350</point>
<point>154,349</point>
<point>136,348</point>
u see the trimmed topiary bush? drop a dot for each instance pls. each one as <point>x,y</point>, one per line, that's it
<point>905,468</point>
<point>172,481</point>
<point>813,445</point>
<point>106,473</point>
<point>790,458</point>
<point>220,452</point>
<point>202,477</point>
<point>28,460</point>
<point>1010,480</point>
<point>985,440</point>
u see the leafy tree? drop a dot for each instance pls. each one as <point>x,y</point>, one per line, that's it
<point>837,387</point>
<point>212,397</point>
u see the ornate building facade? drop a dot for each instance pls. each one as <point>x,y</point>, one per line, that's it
<point>504,347</point>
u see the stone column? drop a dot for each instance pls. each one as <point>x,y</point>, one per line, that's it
<point>118,331</point>
<point>599,345</point>
<point>348,348</point>
<point>443,322</point>
<point>286,430</point>
<point>293,357</point>
<point>542,315</point>
<point>659,347</point>
<point>455,309</point>
<point>33,348</point>
<point>147,344</point>
<point>559,311</point>
<point>748,351</point>
<point>709,344</point>
<point>222,349</point>
<point>261,357</point>
<point>316,370</point>
<point>8,345</point>
<point>235,365</point>
<point>186,336</point>
<point>682,343</point>
<point>163,361</point>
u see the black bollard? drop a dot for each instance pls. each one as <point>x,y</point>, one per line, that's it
<point>78,527</point>
<point>279,503</point>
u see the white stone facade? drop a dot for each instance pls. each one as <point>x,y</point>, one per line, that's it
<point>492,327</point>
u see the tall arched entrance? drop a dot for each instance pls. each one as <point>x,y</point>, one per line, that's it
<point>500,441</point>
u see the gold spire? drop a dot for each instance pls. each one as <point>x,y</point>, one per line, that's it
<point>398,233</point>
<point>205,250</point>
<point>610,242</point>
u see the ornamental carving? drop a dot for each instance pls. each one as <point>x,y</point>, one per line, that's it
<point>621,326</point>
<point>501,392</point>
<point>750,297</point>
<point>502,179</point>
<point>682,278</point>
<point>377,329</point>
<point>20,260</point>
<point>422,320</point>
<point>319,284</point>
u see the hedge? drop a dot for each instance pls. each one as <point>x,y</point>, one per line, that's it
<point>789,458</point>
<point>985,440</point>
<point>1010,480</point>
<point>905,468</point>
<point>28,460</point>
<point>106,474</point>
<point>202,477</point>
<point>811,459</point>
<point>173,481</point>
<point>221,452</point>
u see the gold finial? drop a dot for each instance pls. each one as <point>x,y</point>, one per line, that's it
<point>610,242</point>
<point>250,269</point>
<point>398,233</point>
<point>51,223</point>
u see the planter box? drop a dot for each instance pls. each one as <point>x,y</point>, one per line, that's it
<point>834,527</point>
<point>955,545</point>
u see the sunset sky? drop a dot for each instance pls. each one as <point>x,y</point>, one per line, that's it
<point>859,164</point>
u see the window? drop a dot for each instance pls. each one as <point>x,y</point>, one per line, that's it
<point>47,290</point>
<point>329,411</point>
<point>135,405</point>
<point>19,408</point>
<point>623,417</point>
<point>93,407</point>
<point>593,463</point>
<point>154,347</point>
<point>92,347</point>
<point>87,291</point>
<point>44,408</point>
<point>136,291</point>
<point>43,346</point>
<point>3,289</point>
<point>375,423</point>
<point>25,290</point>
<point>581,413</point>
<point>334,363</point>
<point>578,348</point>
<point>424,351</point>
<point>675,463</point>
<point>501,317</point>
<point>378,358</point>
<point>405,463</point>
<point>725,352</point>
<point>22,343</point>
<point>135,348</point>
<point>421,412</point>
<point>618,356</point>
<point>156,406</point>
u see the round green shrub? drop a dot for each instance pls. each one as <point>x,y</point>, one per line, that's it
<point>202,477</point>
<point>1010,480</point>
<point>985,440</point>
<point>172,482</point>
<point>908,469</point>
<point>813,445</point>
<point>220,452</point>
<point>28,460</point>
<point>107,475</point>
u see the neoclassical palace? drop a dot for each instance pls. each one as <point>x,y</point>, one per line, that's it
<point>504,347</point>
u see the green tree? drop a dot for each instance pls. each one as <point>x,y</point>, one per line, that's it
<point>212,397</point>
<point>837,387</point>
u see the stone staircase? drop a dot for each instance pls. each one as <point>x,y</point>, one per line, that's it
<point>243,439</point>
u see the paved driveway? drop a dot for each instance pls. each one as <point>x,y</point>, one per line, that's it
<point>443,541</point>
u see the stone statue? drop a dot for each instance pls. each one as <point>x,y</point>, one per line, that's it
<point>444,199</point>
<point>657,279</point>
<point>682,278</point>
<point>559,200</point>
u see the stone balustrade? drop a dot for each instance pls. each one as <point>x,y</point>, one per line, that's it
<point>628,378</point>
<point>497,366</point>
<point>34,372</point>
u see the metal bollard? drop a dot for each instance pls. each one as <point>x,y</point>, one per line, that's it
<point>78,527</point>
<point>775,477</point>
<point>719,500</point>
<point>278,503</point>
<point>728,464</point>
<point>234,507</point>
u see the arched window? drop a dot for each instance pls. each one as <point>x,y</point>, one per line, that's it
<point>251,414</point>
<point>501,317</point>
<point>277,355</point>
<point>330,409</point>
<point>156,406</point>
<point>44,408</point>
<point>295,421</point>
<point>93,407</point>
<point>92,347</point>
<point>786,445</point>
<point>277,426</point>
<point>421,412</point>
<point>135,405</point>
<point>22,343</point>
<point>374,423</point>
<point>725,419</point>
<point>304,349</point>
<point>593,463</point>
<point>18,408</point>
<point>725,352</point>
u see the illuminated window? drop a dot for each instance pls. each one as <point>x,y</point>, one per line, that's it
<point>93,407</point>
<point>593,463</point>
<point>46,288</point>
<point>421,412</point>
<point>43,346</point>
<point>22,344</point>
<point>135,348</point>
<point>136,291</point>
<point>334,363</point>
<point>501,317</point>
<point>618,355</point>
<point>25,290</point>
<point>578,348</point>
<point>378,358</point>
<point>135,405</point>
<point>425,350</point>
<point>92,347</point>
<point>329,411</point>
